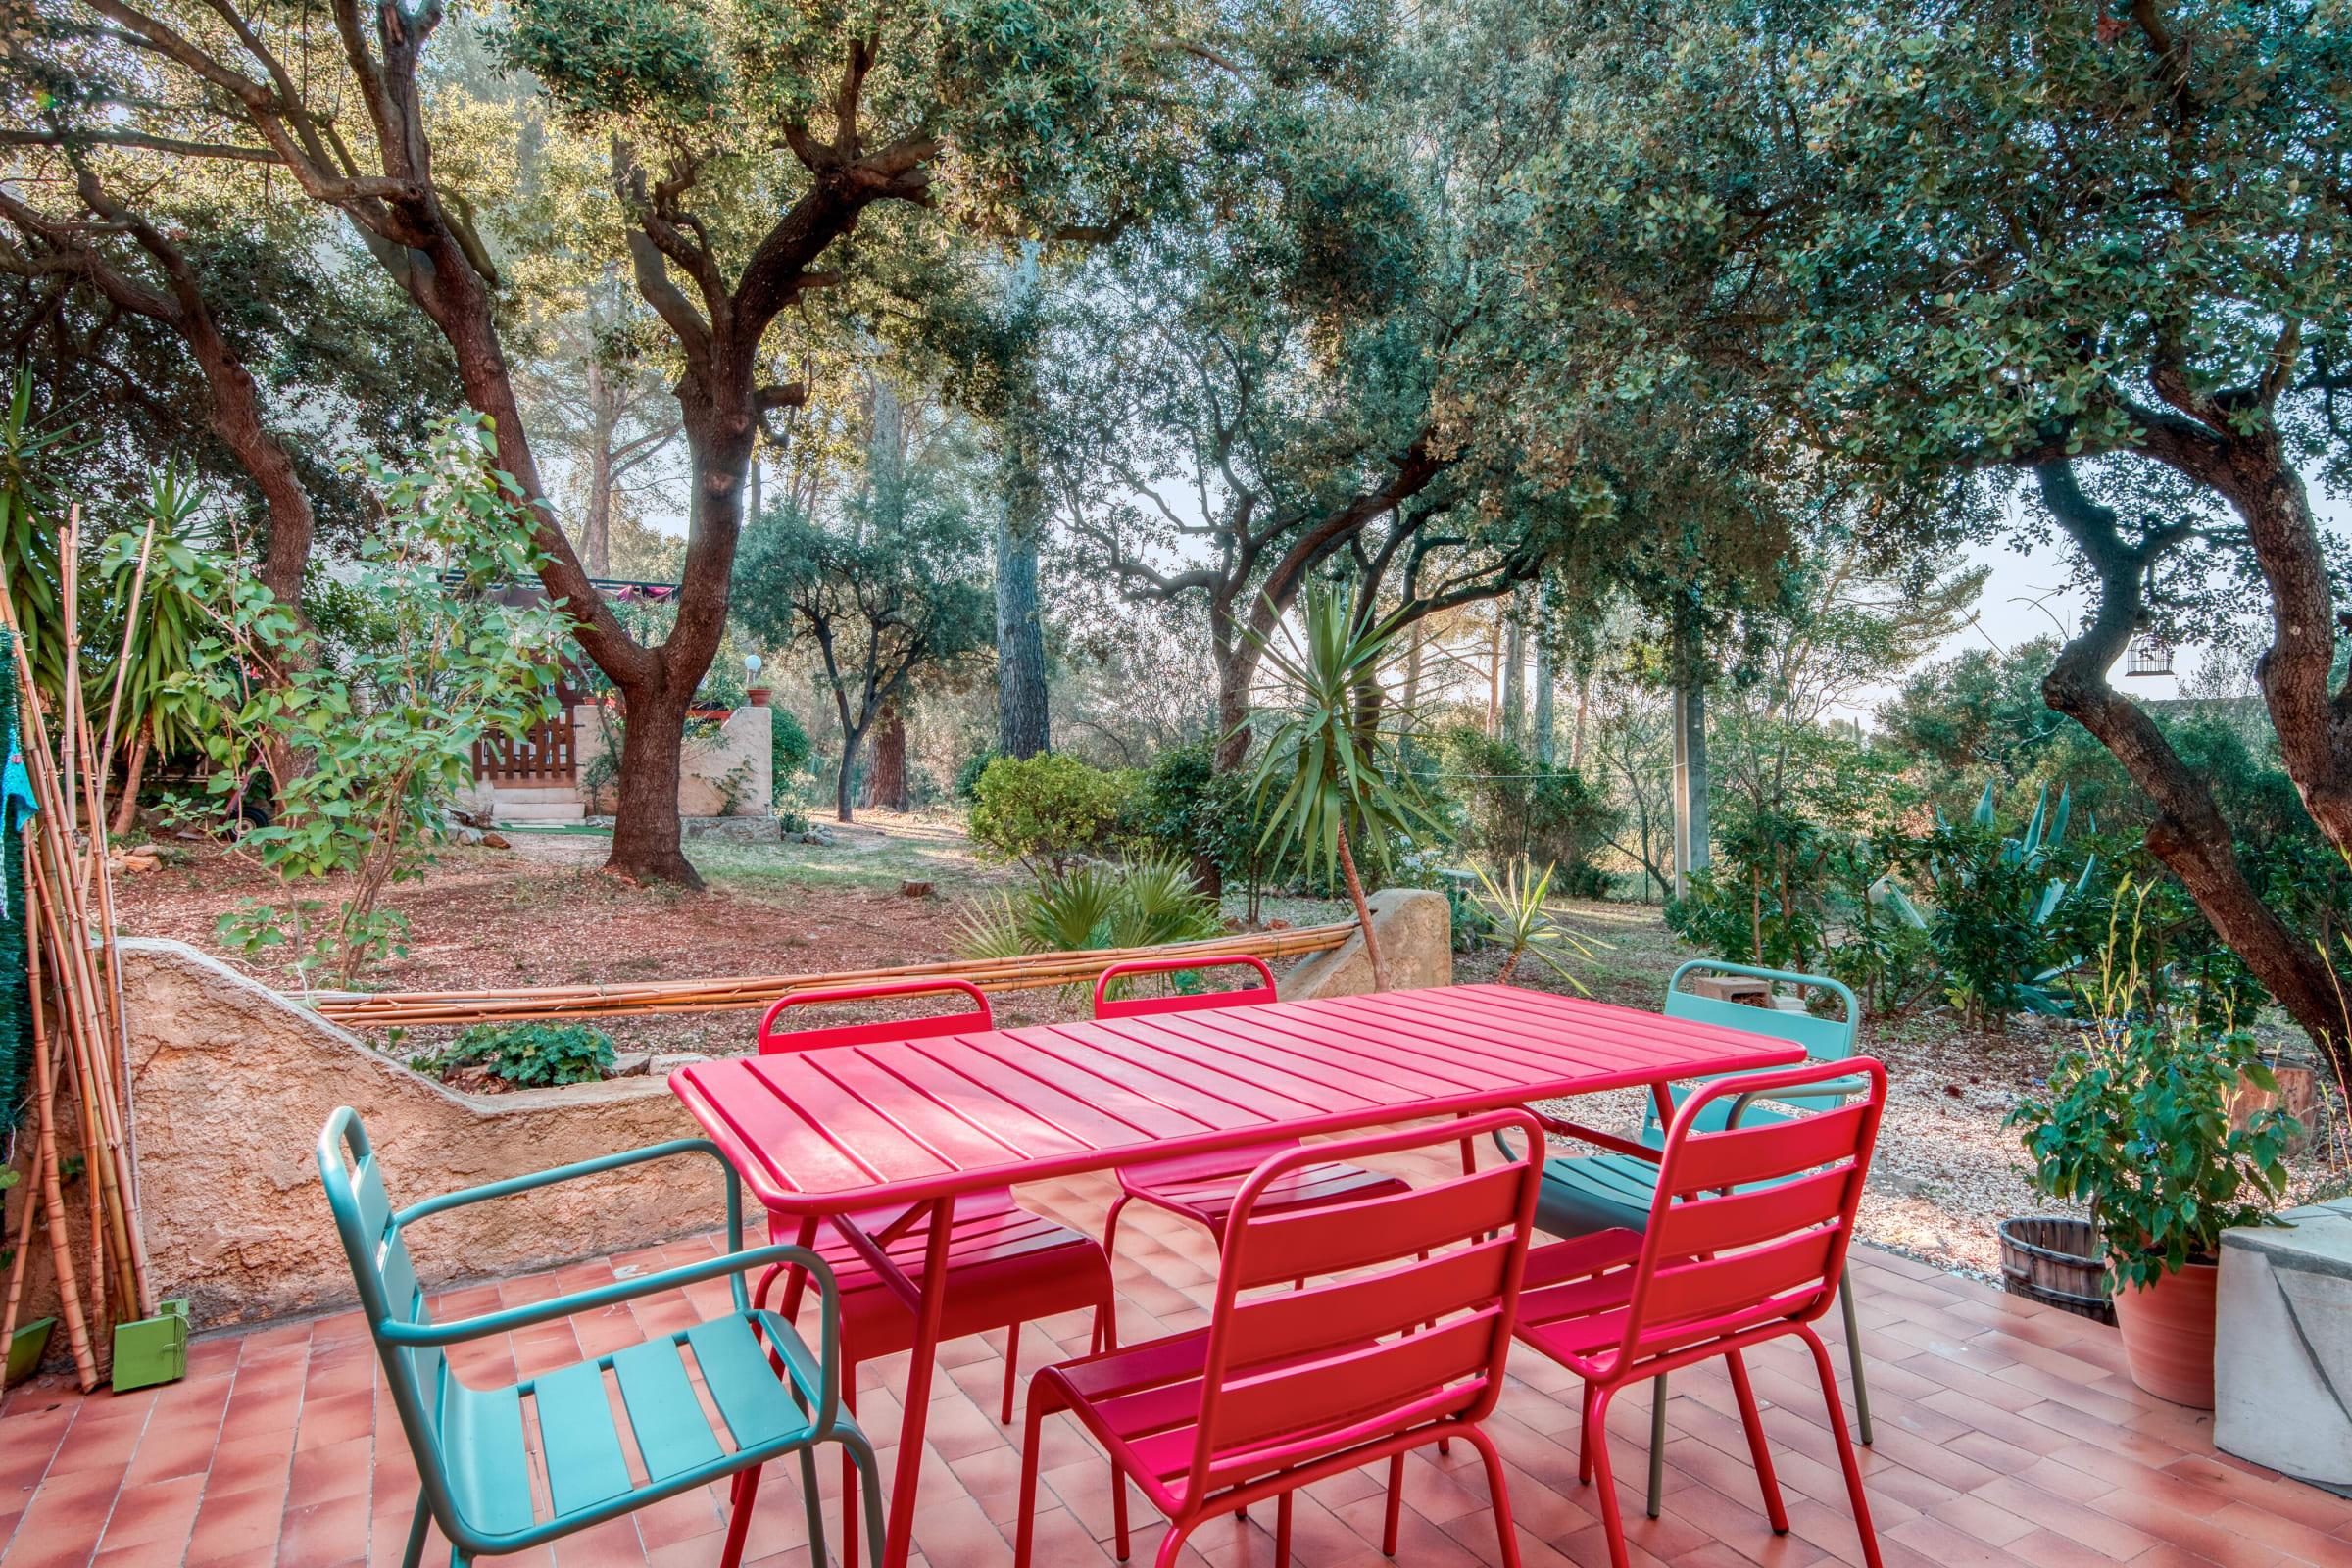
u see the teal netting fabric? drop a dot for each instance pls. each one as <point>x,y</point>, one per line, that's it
<point>16,807</point>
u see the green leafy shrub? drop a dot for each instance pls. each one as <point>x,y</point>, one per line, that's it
<point>1995,921</point>
<point>2135,1123</point>
<point>1512,810</point>
<point>1182,807</point>
<point>1145,903</point>
<point>967,787</point>
<point>530,1056</point>
<point>788,751</point>
<point>1047,811</point>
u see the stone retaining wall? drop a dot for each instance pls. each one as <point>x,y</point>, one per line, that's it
<point>232,1082</point>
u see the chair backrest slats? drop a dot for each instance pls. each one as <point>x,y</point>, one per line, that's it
<point>1730,1287</point>
<point>975,1019</point>
<point>1750,1225</point>
<point>1415,1325</point>
<point>1364,1306</point>
<point>1773,1152</point>
<point>1344,1390</point>
<point>1107,1005</point>
<point>1723,1223</point>
<point>1350,1235</point>
<point>1823,1039</point>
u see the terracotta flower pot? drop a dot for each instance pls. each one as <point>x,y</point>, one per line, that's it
<point>2168,1335</point>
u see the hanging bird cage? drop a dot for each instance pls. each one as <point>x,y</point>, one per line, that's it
<point>2148,657</point>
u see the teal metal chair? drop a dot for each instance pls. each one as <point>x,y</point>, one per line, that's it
<point>773,1397</point>
<point>1585,1194</point>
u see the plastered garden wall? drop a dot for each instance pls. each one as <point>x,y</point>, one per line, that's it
<point>231,1085</point>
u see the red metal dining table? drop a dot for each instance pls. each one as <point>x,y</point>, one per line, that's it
<point>909,1125</point>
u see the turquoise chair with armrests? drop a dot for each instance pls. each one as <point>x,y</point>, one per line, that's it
<point>772,1395</point>
<point>1589,1192</point>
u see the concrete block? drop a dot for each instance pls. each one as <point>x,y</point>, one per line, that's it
<point>2282,1348</point>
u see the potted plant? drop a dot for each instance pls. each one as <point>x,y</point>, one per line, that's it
<point>2135,1123</point>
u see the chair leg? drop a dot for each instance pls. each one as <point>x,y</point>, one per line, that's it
<point>1111,1225</point>
<point>1583,1440</point>
<point>813,1503</point>
<point>1171,1545</point>
<point>1853,1352</point>
<point>1498,1489</point>
<point>1657,1442</point>
<point>1388,1530</point>
<point>1025,1529</point>
<point>1752,1420</point>
<point>740,1493</point>
<point>849,1477</point>
<point>1597,1452</point>
<point>1012,1367</point>
<point>415,1554</point>
<point>1282,1532</point>
<point>1846,1447</point>
<point>870,1475</point>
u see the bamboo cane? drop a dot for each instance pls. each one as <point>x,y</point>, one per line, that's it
<point>60,1251</point>
<point>52,884</point>
<point>425,1008</point>
<point>130,627</point>
<point>16,1279</point>
<point>69,601</point>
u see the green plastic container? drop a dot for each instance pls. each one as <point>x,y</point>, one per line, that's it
<point>26,1347</point>
<point>154,1350</point>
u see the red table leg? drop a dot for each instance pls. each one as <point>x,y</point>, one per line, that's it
<point>898,1540</point>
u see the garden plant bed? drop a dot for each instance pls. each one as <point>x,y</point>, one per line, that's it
<point>542,913</point>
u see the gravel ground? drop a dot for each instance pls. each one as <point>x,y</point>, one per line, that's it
<point>542,913</point>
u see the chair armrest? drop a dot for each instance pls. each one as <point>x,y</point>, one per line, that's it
<point>735,1264</point>
<point>514,1185</point>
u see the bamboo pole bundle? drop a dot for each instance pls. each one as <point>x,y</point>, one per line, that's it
<point>410,1010</point>
<point>79,1047</point>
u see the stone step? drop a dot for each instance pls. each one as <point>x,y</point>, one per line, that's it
<point>533,794</point>
<point>538,811</point>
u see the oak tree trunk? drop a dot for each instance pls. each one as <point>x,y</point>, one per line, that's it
<point>886,775</point>
<point>2189,835</point>
<point>1024,725</point>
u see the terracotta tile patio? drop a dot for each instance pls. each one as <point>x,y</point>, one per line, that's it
<point>2006,1434</point>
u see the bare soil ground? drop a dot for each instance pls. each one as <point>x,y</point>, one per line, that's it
<point>543,913</point>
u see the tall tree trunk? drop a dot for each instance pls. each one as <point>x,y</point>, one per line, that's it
<point>646,830</point>
<point>1547,699</point>
<point>1691,841</point>
<point>1024,725</point>
<point>1494,675</point>
<point>1237,667</point>
<point>1514,672</point>
<point>1584,704</point>
<point>134,768</point>
<point>2189,834</point>
<point>886,775</point>
<point>1363,912</point>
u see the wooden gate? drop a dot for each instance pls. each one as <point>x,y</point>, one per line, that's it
<point>544,759</point>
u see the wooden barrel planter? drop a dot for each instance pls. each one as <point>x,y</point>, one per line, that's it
<point>2058,1261</point>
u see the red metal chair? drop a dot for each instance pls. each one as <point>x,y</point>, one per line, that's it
<point>1398,1342</point>
<point>1005,1265</point>
<point>1745,1242</point>
<point>1202,1188</point>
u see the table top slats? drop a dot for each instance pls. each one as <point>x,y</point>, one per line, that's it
<point>1208,1048</point>
<point>1034,1128</point>
<point>854,1127</point>
<point>1254,1097</point>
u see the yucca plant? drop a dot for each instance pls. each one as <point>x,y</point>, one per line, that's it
<point>1525,924</point>
<point>1329,775</point>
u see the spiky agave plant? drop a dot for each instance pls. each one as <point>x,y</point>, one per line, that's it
<point>1525,923</point>
<point>1329,773</point>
